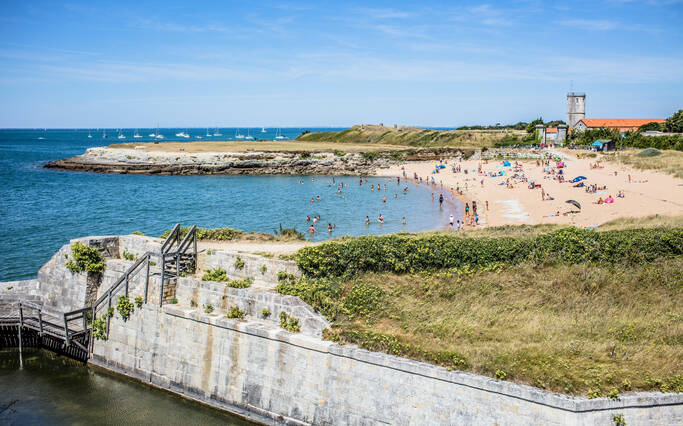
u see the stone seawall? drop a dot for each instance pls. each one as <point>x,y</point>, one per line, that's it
<point>251,367</point>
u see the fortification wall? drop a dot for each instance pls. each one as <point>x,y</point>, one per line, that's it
<point>252,367</point>
<point>261,269</point>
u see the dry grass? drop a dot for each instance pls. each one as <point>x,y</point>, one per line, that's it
<point>670,162</point>
<point>564,328</point>
<point>260,146</point>
<point>411,136</point>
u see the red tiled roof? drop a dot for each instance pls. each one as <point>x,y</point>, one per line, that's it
<point>551,130</point>
<point>619,122</point>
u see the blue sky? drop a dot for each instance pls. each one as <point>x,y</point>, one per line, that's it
<point>136,64</point>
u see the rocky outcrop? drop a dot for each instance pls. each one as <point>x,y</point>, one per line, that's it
<point>116,160</point>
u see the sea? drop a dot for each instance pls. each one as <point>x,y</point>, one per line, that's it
<point>42,209</point>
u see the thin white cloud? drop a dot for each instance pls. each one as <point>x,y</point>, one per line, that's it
<point>591,24</point>
<point>386,13</point>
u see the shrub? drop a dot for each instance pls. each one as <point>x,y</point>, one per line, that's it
<point>99,328</point>
<point>110,312</point>
<point>208,308</point>
<point>363,299</point>
<point>193,303</point>
<point>139,301</point>
<point>322,294</point>
<point>174,300</point>
<point>85,258</point>
<point>501,374</point>
<point>289,322</point>
<point>217,234</point>
<point>265,312</point>
<point>263,269</point>
<point>235,313</point>
<point>128,256</point>
<point>371,156</point>
<point>613,394</point>
<point>239,263</point>
<point>594,393</point>
<point>138,233</point>
<point>649,152</point>
<point>339,153</point>
<point>402,253</point>
<point>243,283</point>
<point>217,274</point>
<point>125,307</point>
<point>619,420</point>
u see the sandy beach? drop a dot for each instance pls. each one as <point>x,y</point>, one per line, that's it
<point>511,202</point>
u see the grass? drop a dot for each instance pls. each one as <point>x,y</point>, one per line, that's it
<point>229,234</point>
<point>411,136</point>
<point>668,161</point>
<point>566,328</point>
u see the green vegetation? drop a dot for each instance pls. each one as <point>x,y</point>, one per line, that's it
<point>128,256</point>
<point>138,233</point>
<point>99,328</point>
<point>125,307</point>
<point>174,300</point>
<point>239,263</point>
<point>243,283</point>
<point>217,234</point>
<point>401,253</point>
<point>674,123</point>
<point>139,301</point>
<point>265,312</point>
<point>208,308</point>
<point>85,258</point>
<point>235,312</point>
<point>263,269</point>
<point>568,310</point>
<point>289,322</point>
<point>217,274</point>
<point>618,420</point>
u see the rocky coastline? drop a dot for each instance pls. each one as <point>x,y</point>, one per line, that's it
<point>139,161</point>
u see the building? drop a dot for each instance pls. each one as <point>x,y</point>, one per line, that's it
<point>605,145</point>
<point>621,124</point>
<point>551,135</point>
<point>576,108</point>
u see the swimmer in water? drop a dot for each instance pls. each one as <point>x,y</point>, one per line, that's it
<point>380,219</point>
<point>367,220</point>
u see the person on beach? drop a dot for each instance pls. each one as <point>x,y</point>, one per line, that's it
<point>404,220</point>
<point>372,188</point>
<point>450,220</point>
<point>311,229</point>
<point>329,228</point>
<point>467,209</point>
<point>487,205</point>
<point>308,219</point>
<point>440,200</point>
<point>474,207</point>
<point>367,220</point>
<point>476,219</point>
<point>380,219</point>
<point>384,199</point>
<point>315,219</point>
<point>459,226</point>
<point>432,196</point>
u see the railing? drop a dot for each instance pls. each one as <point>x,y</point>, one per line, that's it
<point>180,257</point>
<point>173,238</point>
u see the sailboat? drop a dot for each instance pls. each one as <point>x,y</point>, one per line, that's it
<point>217,132</point>
<point>137,135</point>
<point>182,134</point>
<point>238,135</point>
<point>158,135</point>
<point>89,135</point>
<point>263,130</point>
<point>121,135</point>
<point>249,136</point>
<point>208,135</point>
<point>104,134</point>
<point>279,135</point>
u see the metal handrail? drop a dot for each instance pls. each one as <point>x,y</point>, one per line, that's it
<point>123,280</point>
<point>174,236</point>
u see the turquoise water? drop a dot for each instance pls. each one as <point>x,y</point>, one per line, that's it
<point>52,390</point>
<point>42,209</point>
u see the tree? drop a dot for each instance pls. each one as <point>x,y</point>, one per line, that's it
<point>674,123</point>
<point>651,126</point>
<point>531,128</point>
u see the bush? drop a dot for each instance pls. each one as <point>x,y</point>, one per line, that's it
<point>243,283</point>
<point>289,322</point>
<point>128,256</point>
<point>139,301</point>
<point>235,313</point>
<point>339,153</point>
<point>208,308</point>
<point>217,274</point>
<point>125,307</point>
<point>649,152</point>
<point>407,253</point>
<point>239,263</point>
<point>363,299</point>
<point>99,328</point>
<point>217,234</point>
<point>265,312</point>
<point>85,258</point>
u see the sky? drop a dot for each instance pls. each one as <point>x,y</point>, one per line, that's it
<point>319,63</point>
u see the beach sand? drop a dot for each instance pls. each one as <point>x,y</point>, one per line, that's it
<point>648,193</point>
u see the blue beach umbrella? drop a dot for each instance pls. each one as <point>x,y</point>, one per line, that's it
<point>506,163</point>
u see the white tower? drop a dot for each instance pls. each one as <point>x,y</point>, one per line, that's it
<point>576,108</point>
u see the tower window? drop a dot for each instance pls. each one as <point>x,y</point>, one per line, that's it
<point>576,100</point>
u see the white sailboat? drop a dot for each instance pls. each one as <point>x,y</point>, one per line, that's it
<point>104,134</point>
<point>121,135</point>
<point>238,135</point>
<point>217,132</point>
<point>182,135</point>
<point>137,135</point>
<point>208,135</point>
<point>263,130</point>
<point>89,135</point>
<point>249,136</point>
<point>158,135</point>
<point>279,135</point>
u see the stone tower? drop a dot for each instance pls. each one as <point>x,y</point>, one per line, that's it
<point>576,108</point>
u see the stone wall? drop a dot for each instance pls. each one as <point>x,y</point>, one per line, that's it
<point>251,367</point>
<point>261,269</point>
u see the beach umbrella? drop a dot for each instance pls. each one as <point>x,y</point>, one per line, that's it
<point>506,163</point>
<point>575,203</point>
<point>578,179</point>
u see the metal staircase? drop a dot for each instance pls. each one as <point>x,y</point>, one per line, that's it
<point>70,332</point>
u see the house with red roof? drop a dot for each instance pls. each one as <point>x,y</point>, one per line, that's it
<point>621,124</point>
